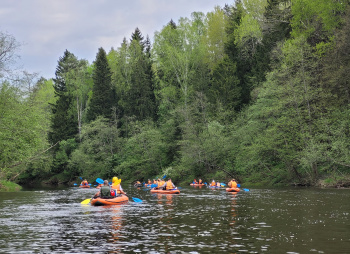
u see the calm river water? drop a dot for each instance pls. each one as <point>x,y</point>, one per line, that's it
<point>199,220</point>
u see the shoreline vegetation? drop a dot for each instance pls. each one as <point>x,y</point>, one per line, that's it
<point>339,182</point>
<point>256,91</point>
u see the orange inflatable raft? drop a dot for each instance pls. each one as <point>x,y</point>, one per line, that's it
<point>173,191</point>
<point>84,186</point>
<point>109,201</point>
<point>197,184</point>
<point>233,189</point>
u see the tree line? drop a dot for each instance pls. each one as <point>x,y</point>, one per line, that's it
<point>257,90</point>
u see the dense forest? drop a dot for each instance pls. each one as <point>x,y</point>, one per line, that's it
<point>258,90</point>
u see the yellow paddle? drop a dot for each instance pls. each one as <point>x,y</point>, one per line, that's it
<point>86,201</point>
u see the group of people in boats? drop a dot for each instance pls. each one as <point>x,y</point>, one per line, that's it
<point>231,184</point>
<point>161,184</point>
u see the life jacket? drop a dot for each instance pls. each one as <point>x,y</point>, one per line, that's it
<point>200,181</point>
<point>84,183</point>
<point>232,184</point>
<point>213,184</point>
<point>161,183</point>
<point>105,191</point>
<point>169,185</point>
<point>117,188</point>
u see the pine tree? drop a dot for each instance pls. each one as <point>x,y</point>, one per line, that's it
<point>103,93</point>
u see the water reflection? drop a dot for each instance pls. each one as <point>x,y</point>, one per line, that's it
<point>196,221</point>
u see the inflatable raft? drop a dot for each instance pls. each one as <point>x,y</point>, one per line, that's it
<point>197,184</point>
<point>173,191</point>
<point>84,186</point>
<point>233,189</point>
<point>109,201</point>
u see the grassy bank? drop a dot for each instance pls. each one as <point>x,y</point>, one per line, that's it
<point>9,186</point>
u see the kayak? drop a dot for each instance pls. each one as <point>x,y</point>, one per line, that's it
<point>109,201</point>
<point>197,184</point>
<point>233,189</point>
<point>84,186</point>
<point>173,191</point>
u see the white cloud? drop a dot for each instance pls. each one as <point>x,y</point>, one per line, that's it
<point>48,27</point>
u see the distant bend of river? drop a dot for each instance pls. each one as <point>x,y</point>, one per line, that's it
<point>198,220</point>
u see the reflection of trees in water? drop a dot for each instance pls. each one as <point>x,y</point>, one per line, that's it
<point>166,229</point>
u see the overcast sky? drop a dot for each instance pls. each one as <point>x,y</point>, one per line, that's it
<point>46,28</point>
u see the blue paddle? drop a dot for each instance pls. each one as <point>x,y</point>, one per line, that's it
<point>75,184</point>
<point>246,189</point>
<point>137,200</point>
<point>99,180</point>
<point>164,176</point>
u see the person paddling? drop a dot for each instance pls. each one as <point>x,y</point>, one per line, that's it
<point>168,185</point>
<point>117,186</point>
<point>105,191</point>
<point>84,183</point>
<point>232,183</point>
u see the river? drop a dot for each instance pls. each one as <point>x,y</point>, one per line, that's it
<point>198,220</point>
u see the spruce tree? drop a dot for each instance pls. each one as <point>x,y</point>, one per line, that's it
<point>64,124</point>
<point>103,94</point>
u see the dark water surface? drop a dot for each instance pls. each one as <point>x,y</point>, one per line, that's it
<point>199,220</point>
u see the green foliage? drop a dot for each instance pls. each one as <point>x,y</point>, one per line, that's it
<point>103,93</point>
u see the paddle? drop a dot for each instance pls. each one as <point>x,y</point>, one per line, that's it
<point>86,201</point>
<point>163,176</point>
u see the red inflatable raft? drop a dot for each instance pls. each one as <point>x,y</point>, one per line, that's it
<point>109,201</point>
<point>173,191</point>
<point>233,189</point>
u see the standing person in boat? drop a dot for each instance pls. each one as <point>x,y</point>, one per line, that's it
<point>195,181</point>
<point>117,186</point>
<point>232,183</point>
<point>105,191</point>
<point>200,181</point>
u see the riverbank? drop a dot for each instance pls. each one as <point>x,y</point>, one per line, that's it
<point>9,186</point>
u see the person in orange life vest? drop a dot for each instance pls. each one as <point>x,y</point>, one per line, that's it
<point>200,181</point>
<point>117,186</point>
<point>161,183</point>
<point>213,183</point>
<point>195,181</point>
<point>84,183</point>
<point>232,183</point>
<point>168,185</point>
